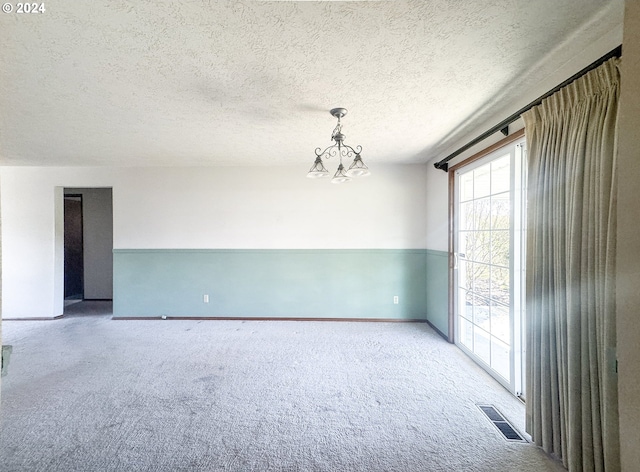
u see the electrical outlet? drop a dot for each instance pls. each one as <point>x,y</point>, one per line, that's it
<point>205,298</point>
<point>396,300</point>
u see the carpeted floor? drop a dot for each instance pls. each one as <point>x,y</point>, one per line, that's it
<point>86,393</point>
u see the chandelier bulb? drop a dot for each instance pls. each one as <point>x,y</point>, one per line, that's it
<point>318,170</point>
<point>340,176</point>
<point>358,168</point>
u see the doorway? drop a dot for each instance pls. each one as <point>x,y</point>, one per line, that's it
<point>86,268</point>
<point>73,248</point>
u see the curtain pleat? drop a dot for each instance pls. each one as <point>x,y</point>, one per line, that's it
<point>572,407</point>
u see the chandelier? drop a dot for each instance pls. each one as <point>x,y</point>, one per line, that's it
<point>340,150</point>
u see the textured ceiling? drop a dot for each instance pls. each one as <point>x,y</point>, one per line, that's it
<point>152,82</point>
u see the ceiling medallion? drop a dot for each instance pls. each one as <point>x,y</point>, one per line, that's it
<point>340,150</point>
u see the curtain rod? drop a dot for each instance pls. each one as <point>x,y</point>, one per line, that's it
<point>442,164</point>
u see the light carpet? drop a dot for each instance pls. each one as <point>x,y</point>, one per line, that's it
<point>87,393</point>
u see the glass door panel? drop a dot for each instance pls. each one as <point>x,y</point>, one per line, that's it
<point>486,241</point>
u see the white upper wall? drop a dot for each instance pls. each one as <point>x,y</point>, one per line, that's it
<point>268,208</point>
<point>194,208</point>
<point>437,209</point>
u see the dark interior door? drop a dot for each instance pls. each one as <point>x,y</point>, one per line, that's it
<point>73,248</point>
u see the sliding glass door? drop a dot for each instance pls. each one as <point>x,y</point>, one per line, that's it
<point>489,263</point>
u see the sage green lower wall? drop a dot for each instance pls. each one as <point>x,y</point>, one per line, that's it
<point>438,290</point>
<point>274,283</point>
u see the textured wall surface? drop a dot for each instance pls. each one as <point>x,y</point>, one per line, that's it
<point>250,83</point>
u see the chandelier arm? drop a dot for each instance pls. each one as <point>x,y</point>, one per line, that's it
<point>330,151</point>
<point>356,151</point>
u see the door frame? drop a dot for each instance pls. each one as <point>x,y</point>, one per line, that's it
<point>453,228</point>
<point>58,276</point>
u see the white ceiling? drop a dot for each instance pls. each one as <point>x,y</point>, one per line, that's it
<point>243,82</point>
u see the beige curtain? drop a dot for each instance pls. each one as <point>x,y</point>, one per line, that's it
<point>572,409</point>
